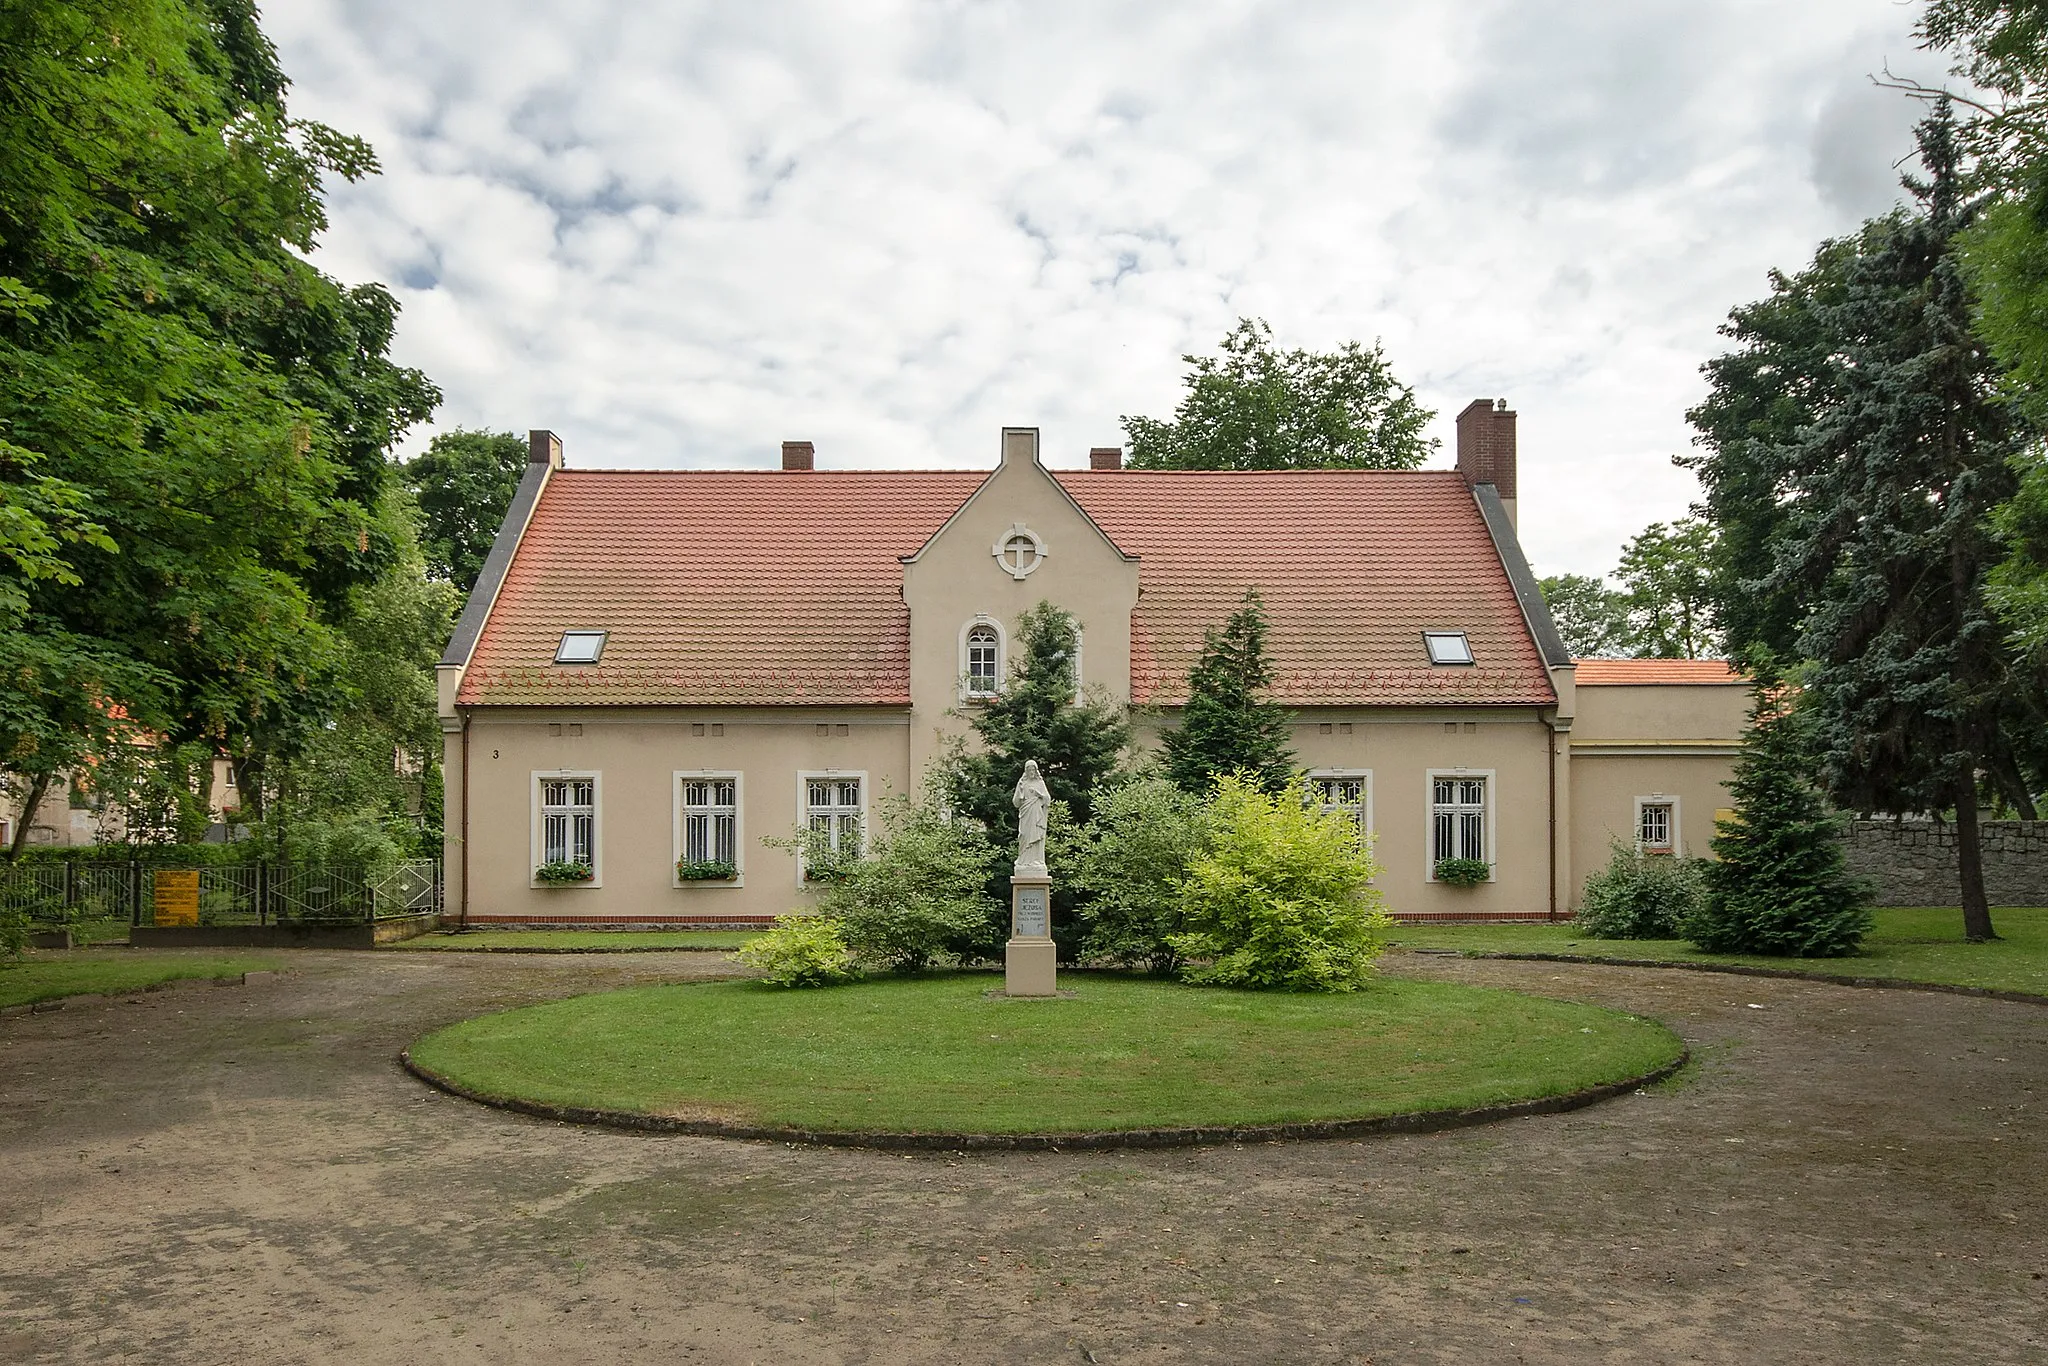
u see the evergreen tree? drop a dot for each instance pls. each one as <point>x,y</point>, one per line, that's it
<point>1038,714</point>
<point>1227,726</point>
<point>1781,885</point>
<point>1760,395</point>
<point>1897,477</point>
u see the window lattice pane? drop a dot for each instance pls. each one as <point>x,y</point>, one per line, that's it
<point>1458,818</point>
<point>568,820</point>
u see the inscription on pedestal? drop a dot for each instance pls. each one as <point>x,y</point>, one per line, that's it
<point>1031,919</point>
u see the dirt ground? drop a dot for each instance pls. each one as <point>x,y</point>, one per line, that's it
<point>244,1174</point>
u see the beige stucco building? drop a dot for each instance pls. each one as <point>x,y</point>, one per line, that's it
<point>660,668</point>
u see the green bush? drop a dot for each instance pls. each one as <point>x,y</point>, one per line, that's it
<point>1281,899</point>
<point>1462,872</point>
<point>919,892</point>
<point>1132,860</point>
<point>1641,896</point>
<point>354,840</point>
<point>801,951</point>
<point>149,855</point>
<point>705,870</point>
<point>14,931</point>
<point>561,871</point>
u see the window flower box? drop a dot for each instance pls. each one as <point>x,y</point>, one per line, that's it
<point>1463,872</point>
<point>705,870</point>
<point>562,873</point>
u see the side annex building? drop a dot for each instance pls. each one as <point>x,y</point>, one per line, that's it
<point>656,669</point>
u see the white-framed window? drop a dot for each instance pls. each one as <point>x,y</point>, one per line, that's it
<point>1657,824</point>
<point>580,647</point>
<point>1460,816</point>
<point>981,658</point>
<point>1447,647</point>
<point>707,824</point>
<point>833,806</point>
<point>1346,790</point>
<point>567,810</point>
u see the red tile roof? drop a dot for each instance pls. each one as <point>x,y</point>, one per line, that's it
<point>1353,565</point>
<point>1622,672</point>
<point>723,588</point>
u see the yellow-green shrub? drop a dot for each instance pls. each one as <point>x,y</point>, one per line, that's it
<point>801,951</point>
<point>1280,900</point>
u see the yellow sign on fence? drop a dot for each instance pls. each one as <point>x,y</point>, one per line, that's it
<point>177,896</point>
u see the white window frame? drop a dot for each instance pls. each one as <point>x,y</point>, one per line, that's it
<point>804,778</point>
<point>1658,799</point>
<point>581,633</point>
<point>967,689</point>
<point>1429,639</point>
<point>1488,814</point>
<point>1366,826</point>
<point>536,837</point>
<point>679,813</point>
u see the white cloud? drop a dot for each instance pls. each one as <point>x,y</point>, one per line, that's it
<point>680,232</point>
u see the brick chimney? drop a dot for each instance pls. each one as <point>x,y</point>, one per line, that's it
<point>1105,457</point>
<point>798,455</point>
<point>544,448</point>
<point>1486,448</point>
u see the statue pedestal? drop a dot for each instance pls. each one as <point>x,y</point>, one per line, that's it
<point>1030,962</point>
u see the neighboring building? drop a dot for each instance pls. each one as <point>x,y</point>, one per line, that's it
<point>71,814</point>
<point>663,665</point>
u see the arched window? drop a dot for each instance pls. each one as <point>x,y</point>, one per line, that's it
<point>984,659</point>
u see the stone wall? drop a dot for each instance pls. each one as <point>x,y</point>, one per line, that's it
<point>1913,863</point>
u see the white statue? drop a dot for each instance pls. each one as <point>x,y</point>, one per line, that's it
<point>1032,801</point>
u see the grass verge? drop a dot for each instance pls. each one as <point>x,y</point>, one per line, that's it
<point>939,1055</point>
<point>1911,944</point>
<point>46,975</point>
<point>575,941</point>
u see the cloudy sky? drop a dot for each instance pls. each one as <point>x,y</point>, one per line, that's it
<point>678,233</point>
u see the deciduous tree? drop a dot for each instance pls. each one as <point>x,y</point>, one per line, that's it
<point>193,420</point>
<point>1591,618</point>
<point>1257,407</point>
<point>463,482</point>
<point>1668,574</point>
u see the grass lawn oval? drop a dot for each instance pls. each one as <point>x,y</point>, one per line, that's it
<point>936,1061</point>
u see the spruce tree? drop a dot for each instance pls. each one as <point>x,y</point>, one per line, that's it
<point>1896,478</point>
<point>1227,725</point>
<point>1781,885</point>
<point>1038,714</point>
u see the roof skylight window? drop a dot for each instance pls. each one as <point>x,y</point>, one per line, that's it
<point>1447,647</point>
<point>580,647</point>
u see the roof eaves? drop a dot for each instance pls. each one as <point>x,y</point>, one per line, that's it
<point>1528,594</point>
<point>477,609</point>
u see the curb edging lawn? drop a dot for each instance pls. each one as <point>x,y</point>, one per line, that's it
<point>1839,979</point>
<point>99,998</point>
<point>1414,1122</point>
<point>580,948</point>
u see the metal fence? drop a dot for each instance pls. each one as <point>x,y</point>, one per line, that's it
<point>58,894</point>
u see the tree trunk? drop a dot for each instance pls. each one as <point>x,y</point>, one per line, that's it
<point>39,785</point>
<point>1970,861</point>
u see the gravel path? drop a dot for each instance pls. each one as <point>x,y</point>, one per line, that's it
<point>244,1174</point>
